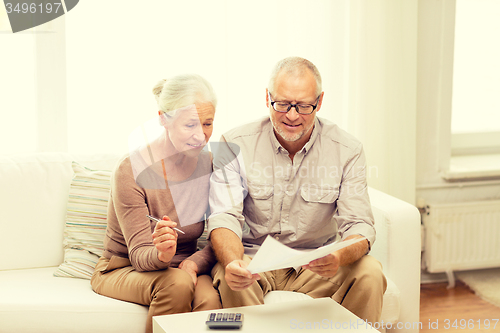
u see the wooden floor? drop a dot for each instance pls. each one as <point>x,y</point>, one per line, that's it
<point>455,310</point>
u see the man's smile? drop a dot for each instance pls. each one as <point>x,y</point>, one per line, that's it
<point>290,125</point>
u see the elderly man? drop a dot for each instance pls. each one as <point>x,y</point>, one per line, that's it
<point>300,179</point>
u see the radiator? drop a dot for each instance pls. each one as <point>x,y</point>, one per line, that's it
<point>462,236</point>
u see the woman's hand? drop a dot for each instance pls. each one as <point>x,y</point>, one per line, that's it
<point>191,268</point>
<point>165,239</point>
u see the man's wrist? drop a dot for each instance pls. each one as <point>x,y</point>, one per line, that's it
<point>234,258</point>
<point>353,252</point>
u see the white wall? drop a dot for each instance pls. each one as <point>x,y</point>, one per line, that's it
<point>17,93</point>
<point>382,91</point>
<point>115,53</point>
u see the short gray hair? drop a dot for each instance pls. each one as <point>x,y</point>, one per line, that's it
<point>295,65</point>
<point>183,90</point>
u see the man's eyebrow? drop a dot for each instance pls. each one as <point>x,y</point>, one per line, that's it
<point>298,102</point>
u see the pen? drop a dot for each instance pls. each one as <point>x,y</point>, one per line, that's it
<point>158,220</point>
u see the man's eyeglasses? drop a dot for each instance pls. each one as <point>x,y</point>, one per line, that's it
<point>300,108</point>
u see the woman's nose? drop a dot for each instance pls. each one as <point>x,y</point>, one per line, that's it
<point>198,134</point>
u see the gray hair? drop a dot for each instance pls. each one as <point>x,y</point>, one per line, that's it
<point>296,66</point>
<point>183,90</point>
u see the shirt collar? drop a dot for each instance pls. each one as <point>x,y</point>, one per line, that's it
<point>314,136</point>
<point>277,147</point>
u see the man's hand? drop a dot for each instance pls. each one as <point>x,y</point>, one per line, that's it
<point>238,277</point>
<point>191,268</point>
<point>229,250</point>
<point>165,239</point>
<point>326,266</point>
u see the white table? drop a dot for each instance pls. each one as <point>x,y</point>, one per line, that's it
<point>321,314</point>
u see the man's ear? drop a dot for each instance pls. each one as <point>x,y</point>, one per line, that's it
<point>320,102</point>
<point>267,98</point>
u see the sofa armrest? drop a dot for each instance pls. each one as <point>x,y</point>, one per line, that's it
<point>397,247</point>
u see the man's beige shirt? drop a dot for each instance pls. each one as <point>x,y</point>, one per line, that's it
<point>256,190</point>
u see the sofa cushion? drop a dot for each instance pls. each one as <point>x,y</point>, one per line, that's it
<point>86,218</point>
<point>34,196</point>
<point>282,296</point>
<point>390,307</point>
<point>33,300</point>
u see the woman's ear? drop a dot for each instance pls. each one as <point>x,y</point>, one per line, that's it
<point>162,119</point>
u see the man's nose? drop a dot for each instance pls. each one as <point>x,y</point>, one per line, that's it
<point>292,114</point>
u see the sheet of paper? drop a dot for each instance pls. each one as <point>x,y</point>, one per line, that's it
<point>274,255</point>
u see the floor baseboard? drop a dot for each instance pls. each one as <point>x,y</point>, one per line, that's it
<point>426,277</point>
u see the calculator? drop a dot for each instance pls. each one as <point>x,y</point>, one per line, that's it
<point>228,320</point>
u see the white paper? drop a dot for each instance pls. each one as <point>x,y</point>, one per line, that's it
<point>273,255</point>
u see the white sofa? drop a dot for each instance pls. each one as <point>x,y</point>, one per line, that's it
<point>34,194</point>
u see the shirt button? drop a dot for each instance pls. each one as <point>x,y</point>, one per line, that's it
<point>277,237</point>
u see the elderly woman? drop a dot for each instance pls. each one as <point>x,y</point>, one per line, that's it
<point>157,263</point>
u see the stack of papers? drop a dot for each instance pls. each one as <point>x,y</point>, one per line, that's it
<point>273,255</point>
